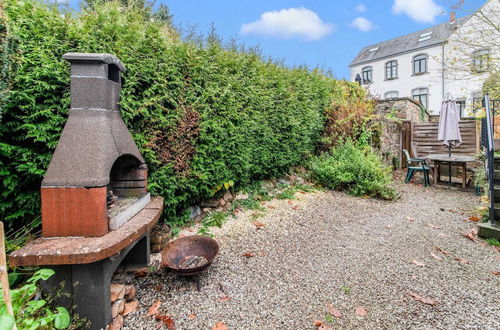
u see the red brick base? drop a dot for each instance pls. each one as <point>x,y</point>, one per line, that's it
<point>74,212</point>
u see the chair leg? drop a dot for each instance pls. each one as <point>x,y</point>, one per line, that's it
<point>409,174</point>
<point>426,179</point>
<point>412,174</point>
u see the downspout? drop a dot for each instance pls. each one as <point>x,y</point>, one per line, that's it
<point>442,70</point>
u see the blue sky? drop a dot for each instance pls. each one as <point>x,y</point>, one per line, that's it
<point>324,33</point>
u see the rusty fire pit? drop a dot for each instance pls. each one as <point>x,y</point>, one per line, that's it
<point>189,255</point>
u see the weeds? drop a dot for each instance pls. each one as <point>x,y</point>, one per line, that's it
<point>493,241</point>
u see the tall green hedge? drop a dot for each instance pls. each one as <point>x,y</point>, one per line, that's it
<point>202,115</point>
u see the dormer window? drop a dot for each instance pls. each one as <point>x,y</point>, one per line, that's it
<point>367,74</point>
<point>391,70</point>
<point>420,64</point>
<point>425,36</point>
<point>480,60</point>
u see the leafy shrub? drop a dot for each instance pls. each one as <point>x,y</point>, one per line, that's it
<point>347,117</point>
<point>355,169</point>
<point>492,85</point>
<point>201,114</point>
<point>30,313</point>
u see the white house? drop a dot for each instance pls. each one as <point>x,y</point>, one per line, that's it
<point>455,57</point>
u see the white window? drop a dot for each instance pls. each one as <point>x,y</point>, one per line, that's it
<point>480,60</point>
<point>461,107</point>
<point>420,64</point>
<point>391,70</point>
<point>367,74</point>
<point>421,95</point>
<point>391,95</point>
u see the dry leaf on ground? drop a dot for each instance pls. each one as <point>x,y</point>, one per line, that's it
<point>192,316</point>
<point>335,312</point>
<point>130,307</point>
<point>425,300</point>
<point>474,218</point>
<point>295,207</point>
<point>462,260</point>
<point>495,273</point>
<point>443,251</point>
<point>418,263</point>
<point>153,310</point>
<point>220,326</point>
<point>470,235</point>
<point>430,225</point>
<point>225,298</point>
<point>248,255</point>
<point>141,272</point>
<point>361,311</point>
<point>167,320</point>
<point>319,323</point>
<point>410,218</point>
<point>271,207</point>
<point>438,258</point>
<point>258,224</point>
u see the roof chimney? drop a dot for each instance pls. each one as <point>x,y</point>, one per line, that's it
<point>453,17</point>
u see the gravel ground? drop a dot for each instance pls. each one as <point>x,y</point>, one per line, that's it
<point>329,248</point>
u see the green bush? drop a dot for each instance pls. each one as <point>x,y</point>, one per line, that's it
<point>355,169</point>
<point>203,115</point>
<point>31,313</point>
<point>492,85</point>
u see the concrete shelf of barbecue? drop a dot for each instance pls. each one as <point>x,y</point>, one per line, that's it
<point>84,250</point>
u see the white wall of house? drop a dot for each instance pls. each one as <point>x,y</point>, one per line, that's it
<point>460,78</point>
<point>406,81</point>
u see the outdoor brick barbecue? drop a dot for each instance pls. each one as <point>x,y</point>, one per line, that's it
<point>96,211</point>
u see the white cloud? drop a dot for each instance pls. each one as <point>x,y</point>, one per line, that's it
<point>362,24</point>
<point>289,23</point>
<point>360,8</point>
<point>423,11</point>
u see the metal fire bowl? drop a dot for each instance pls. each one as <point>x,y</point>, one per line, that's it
<point>196,245</point>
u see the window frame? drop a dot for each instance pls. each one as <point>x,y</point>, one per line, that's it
<point>462,107</point>
<point>484,60</point>
<point>369,69</point>
<point>420,58</point>
<point>393,69</point>
<point>426,105</point>
<point>391,98</point>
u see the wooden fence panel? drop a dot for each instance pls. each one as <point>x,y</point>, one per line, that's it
<point>425,135</point>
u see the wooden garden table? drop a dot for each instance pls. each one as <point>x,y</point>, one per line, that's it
<point>454,160</point>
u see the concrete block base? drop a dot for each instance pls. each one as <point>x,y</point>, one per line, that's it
<point>87,286</point>
<point>487,230</point>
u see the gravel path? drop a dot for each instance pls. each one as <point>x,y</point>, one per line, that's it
<point>329,248</point>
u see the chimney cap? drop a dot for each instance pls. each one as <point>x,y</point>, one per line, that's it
<point>94,57</point>
<point>453,17</point>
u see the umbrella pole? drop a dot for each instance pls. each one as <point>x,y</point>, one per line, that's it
<point>449,166</point>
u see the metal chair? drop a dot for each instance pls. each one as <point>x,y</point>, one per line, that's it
<point>416,165</point>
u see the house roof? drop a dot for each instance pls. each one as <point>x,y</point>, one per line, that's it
<point>431,36</point>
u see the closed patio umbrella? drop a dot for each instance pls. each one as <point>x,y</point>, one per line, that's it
<point>449,131</point>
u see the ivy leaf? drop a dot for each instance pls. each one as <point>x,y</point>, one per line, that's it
<point>62,318</point>
<point>6,321</point>
<point>35,305</point>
